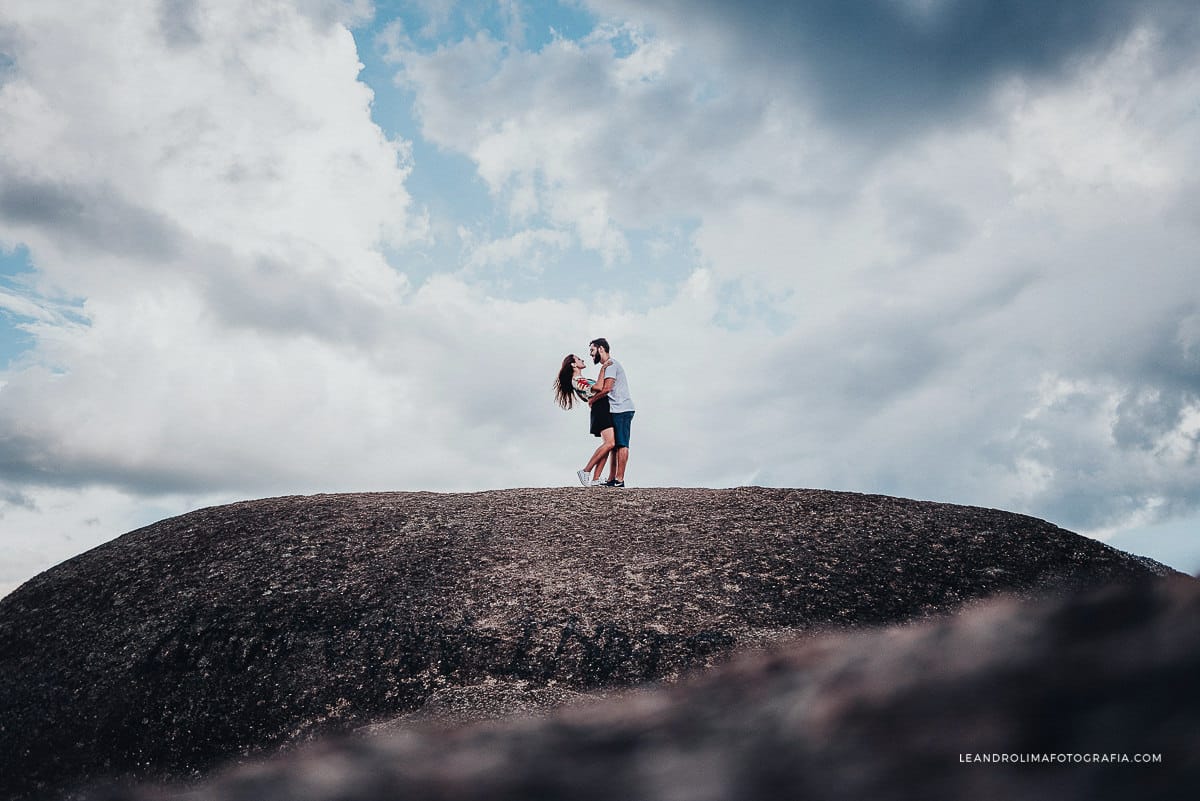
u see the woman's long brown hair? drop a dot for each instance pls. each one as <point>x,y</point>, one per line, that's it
<point>564,394</point>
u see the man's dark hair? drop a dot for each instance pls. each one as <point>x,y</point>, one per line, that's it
<point>601,343</point>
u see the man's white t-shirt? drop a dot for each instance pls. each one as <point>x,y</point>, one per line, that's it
<point>619,399</point>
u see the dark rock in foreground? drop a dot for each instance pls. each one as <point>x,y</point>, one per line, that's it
<point>1065,699</point>
<point>239,629</point>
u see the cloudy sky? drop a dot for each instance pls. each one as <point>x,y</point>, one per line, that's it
<point>939,249</point>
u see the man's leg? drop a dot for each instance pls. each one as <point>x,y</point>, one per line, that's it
<point>622,457</point>
<point>622,424</point>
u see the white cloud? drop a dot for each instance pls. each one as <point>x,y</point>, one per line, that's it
<point>203,185</point>
<point>25,307</point>
<point>590,139</point>
<point>1044,263</point>
<point>527,249</point>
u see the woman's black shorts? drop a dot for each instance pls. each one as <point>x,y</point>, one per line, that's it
<point>601,417</point>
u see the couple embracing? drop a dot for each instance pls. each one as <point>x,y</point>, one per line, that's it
<point>611,407</point>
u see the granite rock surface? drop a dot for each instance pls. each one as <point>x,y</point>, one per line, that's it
<point>1086,698</point>
<point>239,630</point>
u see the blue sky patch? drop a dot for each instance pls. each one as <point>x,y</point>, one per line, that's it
<point>14,340</point>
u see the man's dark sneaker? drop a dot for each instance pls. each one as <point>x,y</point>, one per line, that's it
<point>612,482</point>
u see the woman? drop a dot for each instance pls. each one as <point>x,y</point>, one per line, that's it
<point>572,384</point>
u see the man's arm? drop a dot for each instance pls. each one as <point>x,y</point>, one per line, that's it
<point>605,388</point>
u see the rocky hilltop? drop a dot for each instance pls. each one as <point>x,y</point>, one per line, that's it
<point>240,629</point>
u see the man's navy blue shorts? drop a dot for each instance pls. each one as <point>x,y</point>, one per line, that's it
<point>621,423</point>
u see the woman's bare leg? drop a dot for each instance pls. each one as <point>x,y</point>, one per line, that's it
<point>607,440</point>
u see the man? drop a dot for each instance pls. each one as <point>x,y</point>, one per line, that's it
<point>616,388</point>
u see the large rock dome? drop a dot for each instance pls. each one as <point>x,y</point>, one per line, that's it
<point>239,629</point>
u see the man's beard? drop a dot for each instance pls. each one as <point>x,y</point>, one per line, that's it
<point>596,357</point>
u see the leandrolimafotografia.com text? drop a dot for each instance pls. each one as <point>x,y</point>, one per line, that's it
<point>1037,759</point>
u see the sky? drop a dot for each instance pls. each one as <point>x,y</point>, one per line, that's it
<point>938,249</point>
